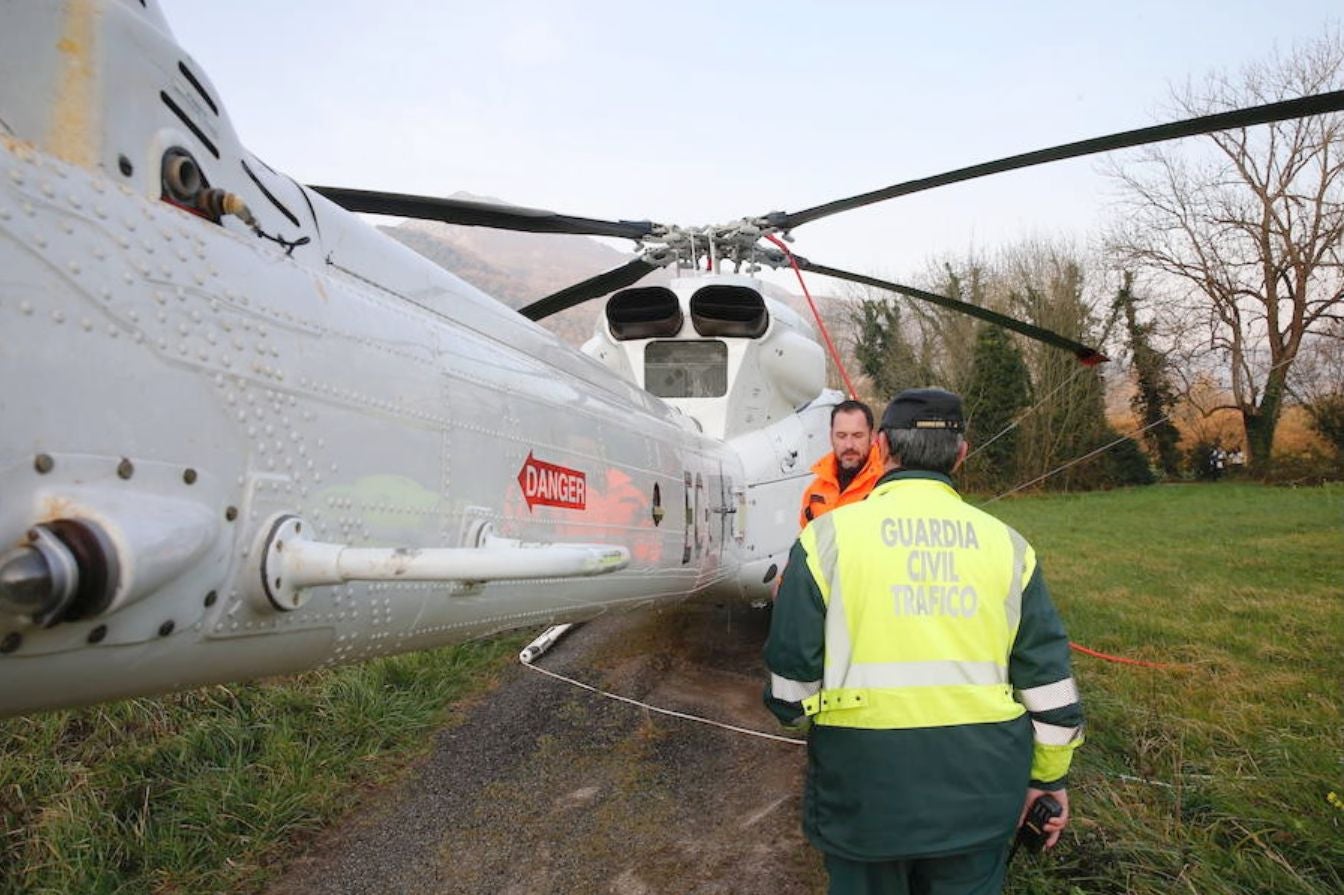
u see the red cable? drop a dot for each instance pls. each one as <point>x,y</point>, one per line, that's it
<point>835,355</point>
<point>1096,655</point>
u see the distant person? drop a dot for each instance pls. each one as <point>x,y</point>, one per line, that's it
<point>850,470</point>
<point>902,628</point>
<point>1217,462</point>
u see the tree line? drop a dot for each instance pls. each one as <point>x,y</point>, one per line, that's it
<point>1219,288</point>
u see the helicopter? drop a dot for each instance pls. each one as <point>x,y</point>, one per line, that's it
<point>244,433</point>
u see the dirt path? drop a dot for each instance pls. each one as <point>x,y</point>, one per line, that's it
<point>545,788</point>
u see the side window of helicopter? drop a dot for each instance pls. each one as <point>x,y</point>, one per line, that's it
<point>686,369</point>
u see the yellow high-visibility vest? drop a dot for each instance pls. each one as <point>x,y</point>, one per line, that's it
<point>923,597</point>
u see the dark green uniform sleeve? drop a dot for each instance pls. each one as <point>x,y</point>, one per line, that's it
<point>1041,672</point>
<point>796,649</point>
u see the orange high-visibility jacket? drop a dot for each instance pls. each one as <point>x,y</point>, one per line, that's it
<point>824,495</point>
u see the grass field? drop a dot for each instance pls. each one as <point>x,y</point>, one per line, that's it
<point>1210,776</point>
<point>1213,775</point>
<point>200,792</point>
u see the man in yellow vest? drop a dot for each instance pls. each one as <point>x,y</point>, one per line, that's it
<point>914,639</point>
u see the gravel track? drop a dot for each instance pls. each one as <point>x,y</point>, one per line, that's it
<point>541,787</point>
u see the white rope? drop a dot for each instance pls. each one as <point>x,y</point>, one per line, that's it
<point>1102,449</point>
<point>1074,462</point>
<point>662,711</point>
<point>1202,778</point>
<point>1026,413</point>
<point>1129,778</point>
<point>1124,778</point>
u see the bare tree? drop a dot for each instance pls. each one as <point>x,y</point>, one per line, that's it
<point>1252,228</point>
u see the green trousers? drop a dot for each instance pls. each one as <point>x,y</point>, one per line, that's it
<point>974,873</point>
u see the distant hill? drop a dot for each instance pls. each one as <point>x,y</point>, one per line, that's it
<point>517,268</point>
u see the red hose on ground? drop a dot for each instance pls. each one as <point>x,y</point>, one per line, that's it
<point>835,355</point>
<point>1123,661</point>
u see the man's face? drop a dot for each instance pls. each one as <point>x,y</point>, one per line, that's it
<point>851,439</point>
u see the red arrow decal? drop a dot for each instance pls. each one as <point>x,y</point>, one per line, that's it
<point>545,484</point>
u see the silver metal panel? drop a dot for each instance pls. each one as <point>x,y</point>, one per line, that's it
<point>180,382</point>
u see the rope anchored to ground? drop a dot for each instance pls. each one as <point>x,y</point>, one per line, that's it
<point>536,648</point>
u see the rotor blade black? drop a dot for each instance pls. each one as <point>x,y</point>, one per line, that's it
<point>1087,356</point>
<point>472,213</point>
<point>593,287</point>
<point>1293,108</point>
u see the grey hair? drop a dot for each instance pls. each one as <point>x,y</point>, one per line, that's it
<point>933,450</point>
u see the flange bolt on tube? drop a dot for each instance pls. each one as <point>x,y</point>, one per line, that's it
<point>38,580</point>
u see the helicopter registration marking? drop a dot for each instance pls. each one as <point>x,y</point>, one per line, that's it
<point>548,485</point>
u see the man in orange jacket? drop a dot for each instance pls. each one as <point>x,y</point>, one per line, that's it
<point>850,470</point>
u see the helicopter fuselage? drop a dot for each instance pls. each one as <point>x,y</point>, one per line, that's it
<point>243,444</point>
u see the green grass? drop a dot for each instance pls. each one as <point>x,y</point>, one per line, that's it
<point>1238,745</point>
<point>204,791</point>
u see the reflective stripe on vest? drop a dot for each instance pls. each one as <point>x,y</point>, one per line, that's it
<point>917,634</point>
<point>1050,696</point>
<point>1054,734</point>
<point>787,690</point>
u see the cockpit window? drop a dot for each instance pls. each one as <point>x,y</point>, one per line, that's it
<point>696,369</point>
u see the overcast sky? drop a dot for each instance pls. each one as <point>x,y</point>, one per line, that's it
<point>699,112</point>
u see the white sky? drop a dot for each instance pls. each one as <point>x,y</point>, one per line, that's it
<point>698,112</point>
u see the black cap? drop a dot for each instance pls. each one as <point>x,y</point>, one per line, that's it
<point>924,408</point>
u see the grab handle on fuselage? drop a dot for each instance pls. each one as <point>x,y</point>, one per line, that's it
<point>290,564</point>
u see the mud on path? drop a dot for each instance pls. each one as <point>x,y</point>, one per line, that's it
<point>541,787</point>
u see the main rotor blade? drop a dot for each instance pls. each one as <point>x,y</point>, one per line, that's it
<point>472,213</point>
<point>1087,356</point>
<point>593,287</point>
<point>1319,104</point>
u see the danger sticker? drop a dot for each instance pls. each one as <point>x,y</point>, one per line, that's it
<point>545,484</point>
